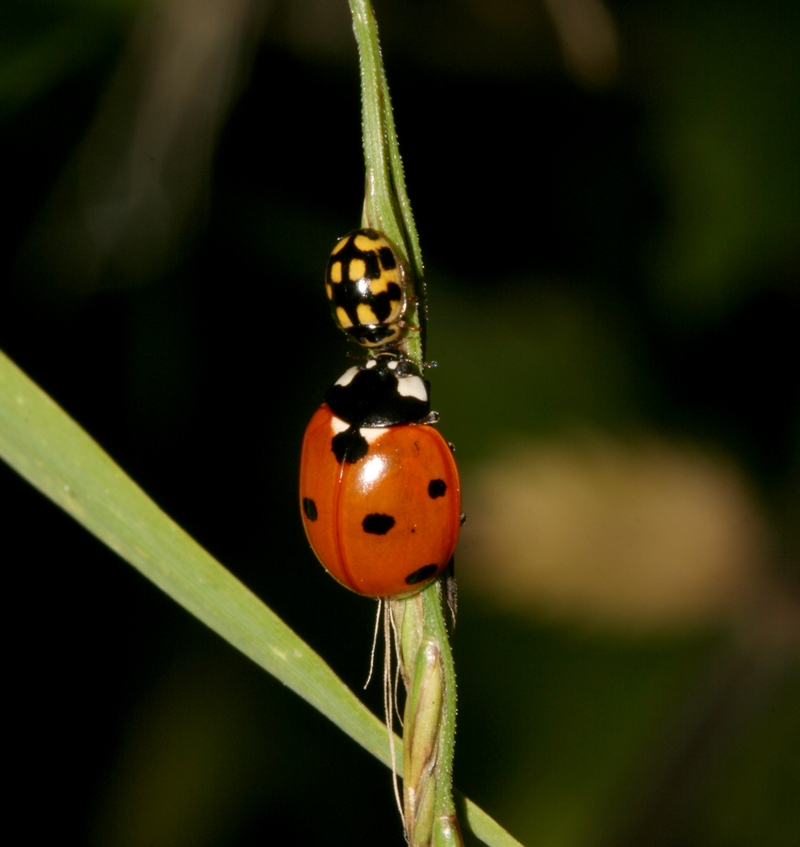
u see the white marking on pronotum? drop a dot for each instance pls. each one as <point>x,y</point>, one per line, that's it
<point>412,386</point>
<point>393,366</point>
<point>372,433</point>
<point>338,425</point>
<point>347,377</point>
<point>372,363</point>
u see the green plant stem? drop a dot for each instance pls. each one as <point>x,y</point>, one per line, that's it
<point>426,655</point>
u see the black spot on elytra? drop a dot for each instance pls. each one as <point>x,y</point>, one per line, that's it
<point>310,508</point>
<point>421,575</point>
<point>373,268</point>
<point>436,488</point>
<point>377,524</point>
<point>382,303</point>
<point>387,258</point>
<point>349,446</point>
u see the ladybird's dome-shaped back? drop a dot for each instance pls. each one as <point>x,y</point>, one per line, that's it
<point>384,523</point>
<point>366,284</point>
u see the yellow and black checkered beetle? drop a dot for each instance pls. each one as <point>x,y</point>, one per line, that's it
<point>366,284</point>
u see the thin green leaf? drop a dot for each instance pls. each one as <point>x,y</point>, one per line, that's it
<point>45,446</point>
<point>55,455</point>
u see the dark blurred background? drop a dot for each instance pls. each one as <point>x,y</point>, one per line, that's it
<point>608,198</point>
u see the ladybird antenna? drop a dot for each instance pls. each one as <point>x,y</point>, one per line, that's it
<point>374,642</point>
<point>388,698</point>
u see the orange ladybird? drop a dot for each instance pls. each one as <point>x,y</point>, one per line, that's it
<point>379,489</point>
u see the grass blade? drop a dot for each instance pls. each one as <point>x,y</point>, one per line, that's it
<point>45,446</point>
